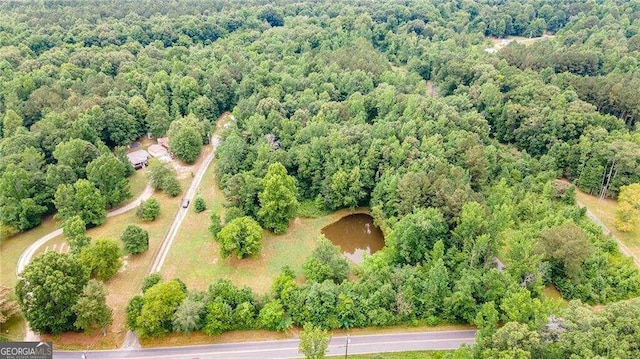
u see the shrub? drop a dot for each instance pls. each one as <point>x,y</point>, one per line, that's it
<point>199,204</point>
<point>136,239</point>
<point>148,210</point>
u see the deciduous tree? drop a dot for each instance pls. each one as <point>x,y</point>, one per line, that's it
<point>278,199</point>
<point>160,302</point>
<point>314,342</point>
<point>136,239</point>
<point>103,258</point>
<point>241,237</point>
<point>148,210</point>
<point>82,199</point>
<point>48,289</point>
<point>91,308</point>
<point>108,173</point>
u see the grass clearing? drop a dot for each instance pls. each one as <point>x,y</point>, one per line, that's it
<point>605,210</point>
<point>126,283</point>
<point>12,248</point>
<point>195,258</point>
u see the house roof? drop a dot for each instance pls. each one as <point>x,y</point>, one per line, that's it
<point>138,156</point>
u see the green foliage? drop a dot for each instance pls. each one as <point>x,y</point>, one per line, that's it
<point>273,317</point>
<point>136,239</point>
<point>102,259</point>
<point>82,199</point>
<point>76,154</point>
<point>414,236</point>
<point>567,246</point>
<point>326,263</point>
<point>20,205</point>
<point>241,237</point>
<point>344,107</point>
<point>278,199</point>
<point>199,204</point>
<point>48,289</point>
<point>232,213</point>
<point>148,210</point>
<point>311,209</point>
<point>75,230</point>
<point>91,308</point>
<point>134,308</point>
<point>215,227</point>
<point>189,316</point>
<point>160,303</point>
<point>151,280</point>
<point>219,318</point>
<point>162,176</point>
<point>186,138</point>
<point>109,175</point>
<point>314,342</point>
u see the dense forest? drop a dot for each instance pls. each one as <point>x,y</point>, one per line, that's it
<point>468,159</point>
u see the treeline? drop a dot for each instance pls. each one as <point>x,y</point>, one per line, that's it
<point>464,184</point>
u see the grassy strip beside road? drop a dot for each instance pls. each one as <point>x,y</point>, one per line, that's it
<point>605,211</point>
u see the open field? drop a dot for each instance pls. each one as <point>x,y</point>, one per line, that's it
<point>128,281</point>
<point>194,256</point>
<point>11,248</point>
<point>605,210</point>
<point>498,43</point>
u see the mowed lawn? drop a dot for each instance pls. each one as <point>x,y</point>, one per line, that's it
<point>605,210</point>
<point>194,256</point>
<point>11,248</point>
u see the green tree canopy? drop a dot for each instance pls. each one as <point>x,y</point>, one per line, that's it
<point>136,239</point>
<point>82,199</point>
<point>278,199</point>
<point>108,173</point>
<point>91,308</point>
<point>75,230</point>
<point>148,210</point>
<point>415,234</point>
<point>326,262</point>
<point>102,258</point>
<point>241,237</point>
<point>314,342</point>
<point>162,176</point>
<point>160,303</point>
<point>186,138</point>
<point>48,289</point>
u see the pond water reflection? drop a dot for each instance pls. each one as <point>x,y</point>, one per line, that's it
<point>355,235</point>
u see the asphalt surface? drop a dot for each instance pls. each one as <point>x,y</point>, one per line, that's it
<point>286,349</point>
<point>27,255</point>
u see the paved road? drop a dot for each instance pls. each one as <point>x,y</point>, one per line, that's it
<point>621,246</point>
<point>286,349</point>
<point>28,253</point>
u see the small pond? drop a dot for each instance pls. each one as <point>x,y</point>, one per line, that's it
<point>355,234</point>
